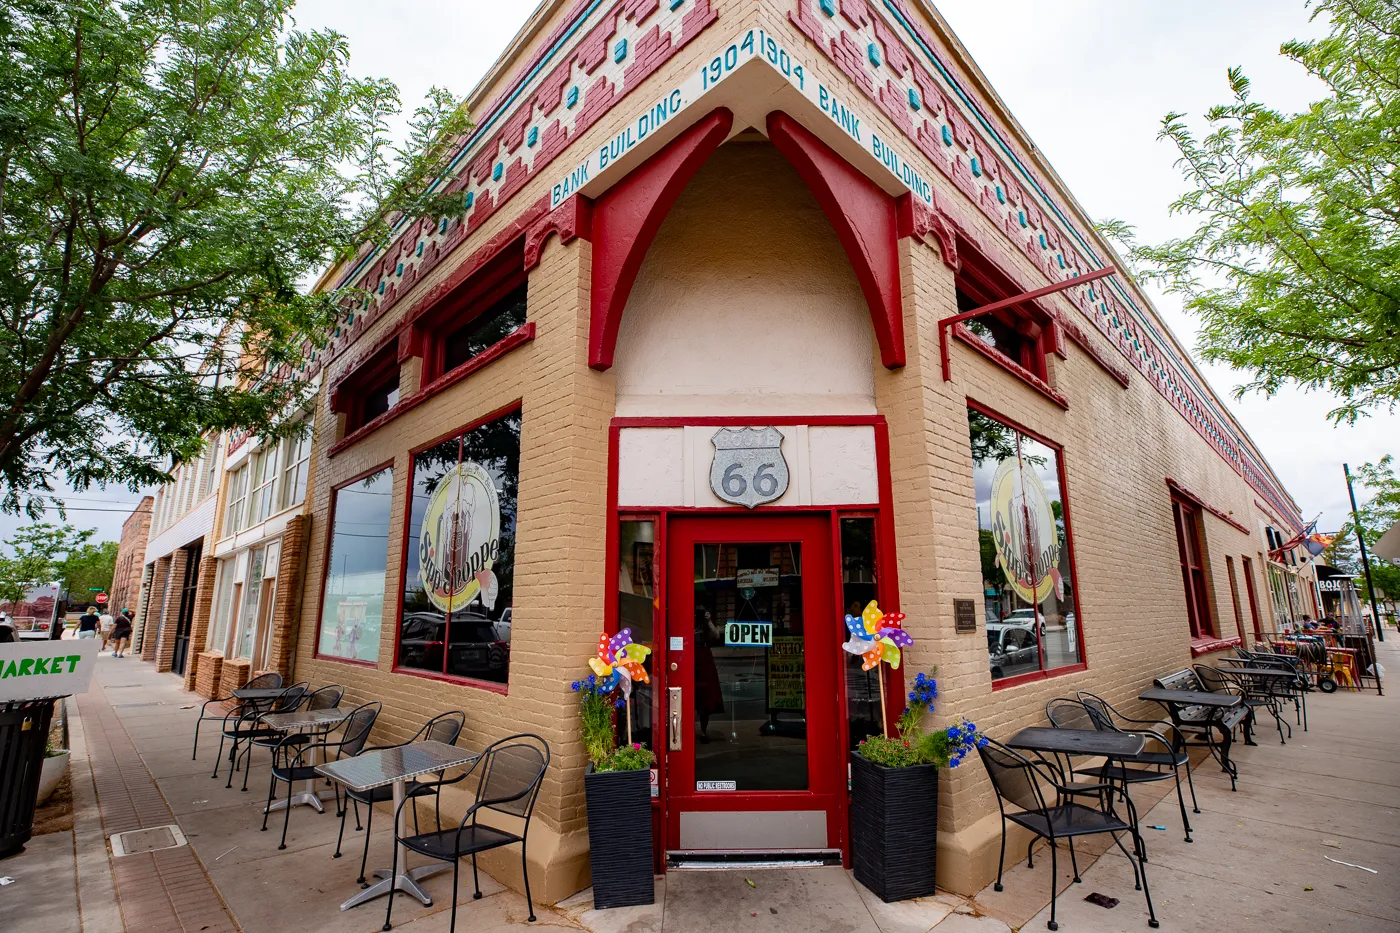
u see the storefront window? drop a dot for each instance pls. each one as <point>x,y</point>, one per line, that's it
<point>1024,544</point>
<point>858,588</point>
<point>636,592</point>
<point>353,604</point>
<point>252,592</point>
<point>296,459</point>
<point>1278,591</point>
<point>237,500</point>
<point>460,561</point>
<point>223,605</point>
<point>1191,552</point>
<point>486,329</point>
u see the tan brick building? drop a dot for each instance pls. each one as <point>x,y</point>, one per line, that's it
<point>684,365</point>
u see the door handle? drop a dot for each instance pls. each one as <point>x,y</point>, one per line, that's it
<point>674,732</point>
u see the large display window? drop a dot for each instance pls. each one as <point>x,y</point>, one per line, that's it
<point>352,606</point>
<point>1025,550</point>
<point>459,563</point>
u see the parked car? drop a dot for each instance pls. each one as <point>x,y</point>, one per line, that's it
<point>1011,649</point>
<point>1024,618</point>
<point>475,646</point>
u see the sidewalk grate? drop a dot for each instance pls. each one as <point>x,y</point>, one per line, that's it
<point>136,841</point>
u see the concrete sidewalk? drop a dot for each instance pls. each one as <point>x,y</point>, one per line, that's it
<point>1260,860</point>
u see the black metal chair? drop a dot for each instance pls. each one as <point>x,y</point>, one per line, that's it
<point>1216,682</point>
<point>1295,690</point>
<point>244,724</point>
<point>510,773</point>
<point>1164,747</point>
<point>1018,781</point>
<point>445,728</point>
<point>294,757</point>
<point>269,681</point>
<point>327,697</point>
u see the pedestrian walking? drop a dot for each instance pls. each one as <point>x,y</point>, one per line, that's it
<point>88,623</point>
<point>121,632</point>
<point>106,623</point>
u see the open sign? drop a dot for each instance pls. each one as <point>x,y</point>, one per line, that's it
<point>758,634</point>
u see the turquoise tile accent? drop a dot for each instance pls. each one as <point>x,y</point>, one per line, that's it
<point>398,269</point>
<point>442,225</point>
<point>947,136</point>
<point>1060,258</point>
<point>1021,216</point>
<point>1001,195</point>
<point>829,7</point>
<point>381,287</point>
<point>350,317</point>
<point>620,51</point>
<point>469,199</point>
<point>1043,244</point>
<point>572,98</point>
<point>419,251</point>
<point>1092,296</point>
<point>914,99</point>
<point>677,4</point>
<point>533,136</point>
<point>498,171</point>
<point>873,51</point>
<point>976,167</point>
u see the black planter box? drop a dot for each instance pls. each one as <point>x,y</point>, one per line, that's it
<point>894,828</point>
<point>619,837</point>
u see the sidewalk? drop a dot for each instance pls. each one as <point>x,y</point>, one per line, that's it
<point>1260,860</point>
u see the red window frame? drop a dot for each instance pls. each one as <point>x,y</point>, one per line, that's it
<point>326,556</point>
<point>1059,450</point>
<point>371,376</point>
<point>497,278</point>
<point>1190,546</point>
<point>1247,568</point>
<point>1235,595</point>
<point>982,283</point>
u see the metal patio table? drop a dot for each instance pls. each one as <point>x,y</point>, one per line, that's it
<point>397,766</point>
<point>315,720</point>
<point>1077,742</point>
<point>1215,704</point>
<point>258,693</point>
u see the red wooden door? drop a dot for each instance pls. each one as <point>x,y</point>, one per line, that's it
<point>752,736</point>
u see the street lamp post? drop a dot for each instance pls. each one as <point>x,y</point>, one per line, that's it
<point>1365,560</point>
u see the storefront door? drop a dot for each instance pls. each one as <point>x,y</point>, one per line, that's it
<point>751,729</point>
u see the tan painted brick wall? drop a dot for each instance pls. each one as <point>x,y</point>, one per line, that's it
<point>234,674</point>
<point>170,613</point>
<point>210,667</point>
<point>155,608</point>
<point>199,625</point>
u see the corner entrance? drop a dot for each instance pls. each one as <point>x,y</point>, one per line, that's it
<point>753,697</point>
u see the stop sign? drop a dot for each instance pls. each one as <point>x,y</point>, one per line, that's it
<point>101,598</point>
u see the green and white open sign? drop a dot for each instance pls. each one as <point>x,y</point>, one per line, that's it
<point>40,669</point>
<point>757,634</point>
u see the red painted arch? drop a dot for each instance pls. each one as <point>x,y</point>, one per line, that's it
<point>866,221</point>
<point>626,219</point>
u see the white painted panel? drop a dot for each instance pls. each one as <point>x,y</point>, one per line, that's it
<point>753,829</point>
<point>651,467</point>
<point>843,465</point>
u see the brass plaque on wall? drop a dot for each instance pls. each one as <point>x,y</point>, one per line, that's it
<point>964,616</point>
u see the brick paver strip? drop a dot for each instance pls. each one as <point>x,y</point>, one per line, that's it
<point>166,890</point>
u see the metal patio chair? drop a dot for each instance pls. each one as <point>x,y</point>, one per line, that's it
<point>244,723</point>
<point>445,728</point>
<point>1019,781</point>
<point>295,757</point>
<point>510,773</point>
<point>269,681</point>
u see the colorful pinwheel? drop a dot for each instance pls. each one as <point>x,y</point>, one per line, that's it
<point>877,636</point>
<point>619,661</point>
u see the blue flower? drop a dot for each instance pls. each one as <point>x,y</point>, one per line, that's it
<point>981,741</point>
<point>913,697</point>
<point>574,686</point>
<point>618,704</point>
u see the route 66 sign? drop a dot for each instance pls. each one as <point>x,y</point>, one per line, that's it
<point>748,468</point>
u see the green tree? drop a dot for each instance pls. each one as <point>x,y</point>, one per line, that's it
<point>171,174</point>
<point>88,566</point>
<point>35,555</point>
<point>1294,268</point>
<point>1378,505</point>
<point>1342,552</point>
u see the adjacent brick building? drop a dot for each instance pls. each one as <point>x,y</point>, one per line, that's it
<point>131,557</point>
<point>685,366</point>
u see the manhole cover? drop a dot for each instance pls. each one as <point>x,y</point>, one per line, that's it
<point>147,840</point>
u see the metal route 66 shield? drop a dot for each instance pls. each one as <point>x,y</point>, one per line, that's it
<point>748,468</point>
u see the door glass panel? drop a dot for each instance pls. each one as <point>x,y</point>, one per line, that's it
<point>858,588</point>
<point>636,592</point>
<point>750,668</point>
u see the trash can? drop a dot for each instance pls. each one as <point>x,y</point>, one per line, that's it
<point>24,732</point>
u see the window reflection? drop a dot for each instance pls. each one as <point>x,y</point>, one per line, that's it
<point>1024,547</point>
<point>459,565</point>
<point>858,588</point>
<point>636,592</point>
<point>353,607</point>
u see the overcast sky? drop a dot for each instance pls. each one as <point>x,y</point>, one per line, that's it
<point>1089,80</point>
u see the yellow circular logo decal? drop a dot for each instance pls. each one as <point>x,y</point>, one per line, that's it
<point>460,539</point>
<point>1024,532</point>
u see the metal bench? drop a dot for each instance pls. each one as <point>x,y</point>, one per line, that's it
<point>1205,725</point>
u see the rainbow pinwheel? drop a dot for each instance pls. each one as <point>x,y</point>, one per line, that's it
<point>877,636</point>
<point>619,661</point>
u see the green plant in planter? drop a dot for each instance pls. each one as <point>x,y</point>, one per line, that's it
<point>634,757</point>
<point>946,747</point>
